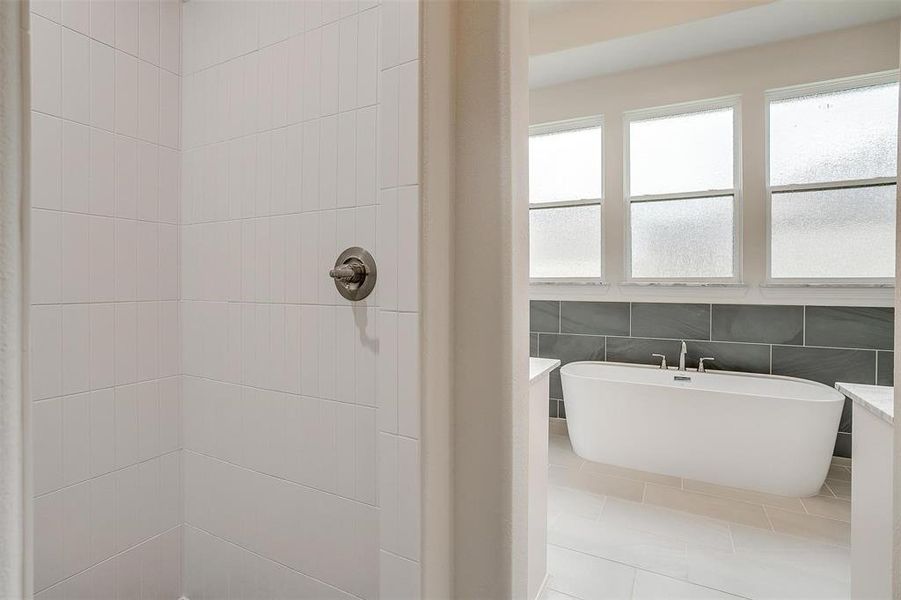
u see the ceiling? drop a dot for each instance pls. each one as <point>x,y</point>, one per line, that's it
<point>573,40</point>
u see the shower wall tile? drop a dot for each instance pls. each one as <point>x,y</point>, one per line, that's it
<point>290,391</point>
<point>46,153</point>
<point>766,324</point>
<point>596,318</point>
<point>678,321</point>
<point>850,327</point>
<point>76,72</point>
<point>103,21</point>
<point>153,566</point>
<point>104,348</point>
<point>825,365</point>
<point>47,429</point>
<point>400,578</point>
<point>46,68</point>
<point>76,15</point>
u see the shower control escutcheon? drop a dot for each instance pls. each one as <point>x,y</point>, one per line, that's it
<point>354,273</point>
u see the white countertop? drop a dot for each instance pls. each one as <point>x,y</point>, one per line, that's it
<point>539,367</point>
<point>877,399</point>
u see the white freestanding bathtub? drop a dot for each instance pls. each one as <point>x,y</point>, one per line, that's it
<point>758,432</point>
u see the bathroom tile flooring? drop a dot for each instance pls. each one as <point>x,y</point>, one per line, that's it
<point>622,534</point>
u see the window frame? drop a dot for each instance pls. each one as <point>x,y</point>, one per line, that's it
<point>672,110</point>
<point>563,127</point>
<point>798,91</point>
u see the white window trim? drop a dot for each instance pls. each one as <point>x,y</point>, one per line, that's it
<point>797,91</point>
<point>733,102</point>
<point>561,127</point>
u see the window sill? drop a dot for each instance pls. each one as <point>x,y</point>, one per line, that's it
<point>567,282</point>
<point>684,284</point>
<point>827,285</point>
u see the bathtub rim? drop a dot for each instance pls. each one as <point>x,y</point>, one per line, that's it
<point>839,397</point>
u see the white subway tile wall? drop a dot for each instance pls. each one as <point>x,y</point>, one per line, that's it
<point>211,419</point>
<point>105,366</point>
<point>301,409</point>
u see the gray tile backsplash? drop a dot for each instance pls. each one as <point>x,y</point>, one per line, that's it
<point>679,321</point>
<point>849,327</point>
<point>826,365</point>
<point>885,368</point>
<point>639,350</point>
<point>544,316</point>
<point>729,356</point>
<point>596,318</point>
<point>762,324</point>
<point>821,343</point>
<point>569,348</point>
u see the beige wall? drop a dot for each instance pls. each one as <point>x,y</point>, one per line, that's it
<point>748,73</point>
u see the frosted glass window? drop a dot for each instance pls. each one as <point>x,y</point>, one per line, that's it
<point>683,238</point>
<point>682,153</point>
<point>566,166</point>
<point>835,136</point>
<point>839,233</point>
<point>565,242</point>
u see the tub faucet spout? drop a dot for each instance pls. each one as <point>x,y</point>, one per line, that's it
<point>682,354</point>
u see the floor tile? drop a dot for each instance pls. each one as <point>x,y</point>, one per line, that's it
<point>760,577</point>
<point>628,546</point>
<point>550,594</point>
<point>809,526</point>
<point>574,502</point>
<point>603,485</point>
<point>667,523</point>
<point>602,469</point>
<point>588,577</point>
<point>558,427</point>
<point>650,586</point>
<point>825,491</point>
<point>832,508</point>
<point>708,506</point>
<point>610,526</point>
<point>560,452</point>
<point>842,489</point>
<point>839,473</point>
<point>804,555</point>
<point>712,489</point>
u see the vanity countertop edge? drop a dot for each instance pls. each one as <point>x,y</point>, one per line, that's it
<point>876,399</point>
<point>539,367</point>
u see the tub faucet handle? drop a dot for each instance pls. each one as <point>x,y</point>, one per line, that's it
<point>662,358</point>
<point>701,367</point>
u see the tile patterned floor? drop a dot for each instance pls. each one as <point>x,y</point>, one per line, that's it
<point>622,534</point>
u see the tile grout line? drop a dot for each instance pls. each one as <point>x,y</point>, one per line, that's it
<point>113,557</point>
<point>625,564</point>
<point>270,559</point>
